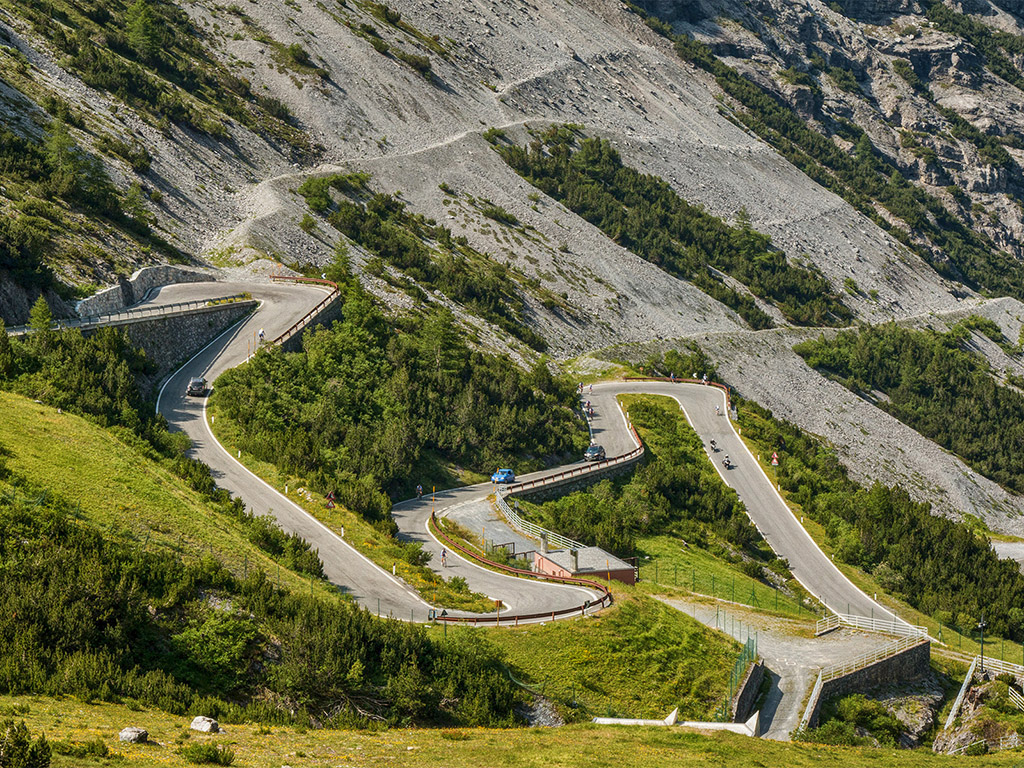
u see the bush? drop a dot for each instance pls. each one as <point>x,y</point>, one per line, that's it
<point>19,750</point>
<point>500,215</point>
<point>202,753</point>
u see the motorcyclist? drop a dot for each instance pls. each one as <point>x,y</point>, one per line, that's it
<point>726,460</point>
<point>714,446</point>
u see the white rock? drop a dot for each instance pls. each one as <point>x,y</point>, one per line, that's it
<point>134,735</point>
<point>205,725</point>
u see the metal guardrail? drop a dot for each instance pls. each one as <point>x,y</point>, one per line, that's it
<point>677,380</point>
<point>580,471</point>
<point>532,529</point>
<point>871,657</point>
<point>303,321</point>
<point>960,696</point>
<point>604,600</point>
<point>892,626</point>
<point>1003,667</point>
<point>1011,741</point>
<point>130,315</point>
<point>1017,699</point>
<point>812,702</point>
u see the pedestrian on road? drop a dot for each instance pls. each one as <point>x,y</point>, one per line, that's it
<point>591,390</point>
<point>444,558</point>
<point>671,377</point>
<point>717,412</point>
<point>705,378</point>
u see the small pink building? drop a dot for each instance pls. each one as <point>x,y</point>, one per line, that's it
<point>585,563</point>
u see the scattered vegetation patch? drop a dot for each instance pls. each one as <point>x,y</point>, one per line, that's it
<point>425,251</point>
<point>152,57</point>
<point>935,386</point>
<point>863,177</point>
<point>644,214</point>
<point>844,720</point>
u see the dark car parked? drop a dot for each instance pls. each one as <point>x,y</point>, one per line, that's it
<point>594,453</point>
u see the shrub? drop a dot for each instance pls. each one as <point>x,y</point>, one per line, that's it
<point>19,750</point>
<point>499,215</point>
<point>203,753</point>
<point>298,54</point>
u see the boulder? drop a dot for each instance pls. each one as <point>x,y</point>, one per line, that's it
<point>205,725</point>
<point>134,735</point>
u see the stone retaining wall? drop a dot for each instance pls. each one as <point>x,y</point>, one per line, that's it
<point>132,290</point>
<point>170,340</point>
<point>902,667</point>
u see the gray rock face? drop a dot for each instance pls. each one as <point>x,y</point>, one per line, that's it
<point>134,735</point>
<point>205,725</point>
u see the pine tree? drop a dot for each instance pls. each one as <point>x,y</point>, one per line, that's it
<point>143,30</point>
<point>61,156</point>
<point>40,318</point>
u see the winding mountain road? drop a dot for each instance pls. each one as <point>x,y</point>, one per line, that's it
<point>378,590</point>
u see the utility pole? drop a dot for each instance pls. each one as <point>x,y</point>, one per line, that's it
<point>981,628</point>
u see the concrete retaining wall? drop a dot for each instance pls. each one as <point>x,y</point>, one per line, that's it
<point>908,665</point>
<point>744,699</point>
<point>132,290</point>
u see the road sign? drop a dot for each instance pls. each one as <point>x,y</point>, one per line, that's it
<point>775,459</point>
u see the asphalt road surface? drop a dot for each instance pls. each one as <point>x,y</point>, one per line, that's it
<point>776,522</point>
<point>376,589</point>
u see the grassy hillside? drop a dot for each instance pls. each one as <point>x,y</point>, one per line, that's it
<point>111,483</point>
<point>640,659</point>
<point>72,722</point>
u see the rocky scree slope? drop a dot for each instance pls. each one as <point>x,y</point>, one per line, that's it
<point>937,87</point>
<point>404,91</point>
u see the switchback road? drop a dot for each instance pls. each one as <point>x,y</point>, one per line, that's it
<point>376,589</point>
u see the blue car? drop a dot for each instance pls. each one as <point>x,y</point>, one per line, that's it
<point>503,476</point>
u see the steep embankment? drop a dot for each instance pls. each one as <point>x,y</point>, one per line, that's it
<point>60,453</point>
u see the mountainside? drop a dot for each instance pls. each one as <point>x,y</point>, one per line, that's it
<point>877,144</point>
<point>241,104</point>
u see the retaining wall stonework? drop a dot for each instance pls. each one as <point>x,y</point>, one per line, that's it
<point>132,290</point>
<point>170,340</point>
<point>908,665</point>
